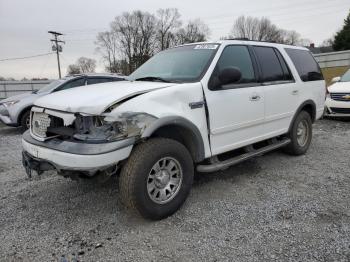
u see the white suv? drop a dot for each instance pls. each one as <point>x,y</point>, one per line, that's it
<point>203,106</point>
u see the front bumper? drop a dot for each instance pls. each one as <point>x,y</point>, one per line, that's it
<point>73,156</point>
<point>5,116</point>
<point>337,108</point>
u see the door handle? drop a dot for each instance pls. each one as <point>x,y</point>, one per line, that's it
<point>295,92</point>
<point>255,97</point>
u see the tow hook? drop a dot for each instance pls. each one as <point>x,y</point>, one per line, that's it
<point>30,165</point>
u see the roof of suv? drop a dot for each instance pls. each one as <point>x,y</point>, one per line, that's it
<point>246,41</point>
<point>95,74</point>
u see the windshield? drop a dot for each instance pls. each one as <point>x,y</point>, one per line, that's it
<point>180,64</point>
<point>346,77</point>
<point>50,86</point>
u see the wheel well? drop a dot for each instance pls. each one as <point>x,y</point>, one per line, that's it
<point>19,119</point>
<point>182,135</point>
<point>311,110</point>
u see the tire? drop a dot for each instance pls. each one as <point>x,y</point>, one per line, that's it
<point>25,120</point>
<point>138,177</point>
<point>300,144</point>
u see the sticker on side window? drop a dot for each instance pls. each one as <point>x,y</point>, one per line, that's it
<point>206,46</point>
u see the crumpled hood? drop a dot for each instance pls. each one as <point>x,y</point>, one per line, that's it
<point>95,99</point>
<point>340,87</point>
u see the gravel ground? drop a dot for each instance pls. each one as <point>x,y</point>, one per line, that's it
<point>275,207</point>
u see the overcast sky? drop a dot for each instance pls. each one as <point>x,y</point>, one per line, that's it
<point>24,25</point>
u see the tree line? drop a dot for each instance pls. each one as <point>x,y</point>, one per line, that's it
<point>134,37</point>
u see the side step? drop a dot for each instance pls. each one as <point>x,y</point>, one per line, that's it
<point>235,160</point>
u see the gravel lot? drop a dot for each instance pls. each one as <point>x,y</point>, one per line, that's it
<point>275,207</point>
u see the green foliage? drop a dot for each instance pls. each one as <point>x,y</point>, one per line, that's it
<point>342,38</point>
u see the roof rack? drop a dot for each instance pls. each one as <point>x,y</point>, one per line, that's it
<point>247,39</point>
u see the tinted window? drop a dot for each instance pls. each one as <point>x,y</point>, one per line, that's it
<point>305,64</point>
<point>270,65</point>
<point>286,71</point>
<point>235,56</point>
<point>98,80</point>
<point>71,84</point>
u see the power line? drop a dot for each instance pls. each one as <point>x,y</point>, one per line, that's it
<point>25,57</point>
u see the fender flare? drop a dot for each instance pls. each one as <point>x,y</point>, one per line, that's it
<point>183,123</point>
<point>300,108</point>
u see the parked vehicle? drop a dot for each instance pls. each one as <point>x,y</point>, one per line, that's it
<point>338,97</point>
<point>205,106</point>
<point>15,110</point>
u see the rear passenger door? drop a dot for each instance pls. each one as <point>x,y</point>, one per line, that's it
<point>280,90</point>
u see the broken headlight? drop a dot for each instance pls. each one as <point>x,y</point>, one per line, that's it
<point>110,128</point>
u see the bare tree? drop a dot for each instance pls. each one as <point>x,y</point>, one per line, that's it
<point>135,36</point>
<point>107,46</point>
<point>86,65</point>
<point>194,31</point>
<point>83,65</point>
<point>168,22</point>
<point>73,69</point>
<point>136,33</point>
<point>262,29</point>
<point>259,29</point>
<point>291,37</point>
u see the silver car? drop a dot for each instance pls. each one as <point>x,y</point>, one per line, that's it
<point>15,110</point>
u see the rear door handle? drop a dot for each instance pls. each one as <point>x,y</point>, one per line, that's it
<point>295,92</point>
<point>255,97</point>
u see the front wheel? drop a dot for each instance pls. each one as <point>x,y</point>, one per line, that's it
<point>25,121</point>
<point>157,178</point>
<point>300,134</point>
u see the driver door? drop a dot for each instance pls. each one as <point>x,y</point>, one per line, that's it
<point>236,110</point>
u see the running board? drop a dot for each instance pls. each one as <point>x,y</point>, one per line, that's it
<point>233,161</point>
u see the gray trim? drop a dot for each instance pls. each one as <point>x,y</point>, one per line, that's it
<point>79,148</point>
<point>181,122</point>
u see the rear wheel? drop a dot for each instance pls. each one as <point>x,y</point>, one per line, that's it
<point>25,120</point>
<point>157,178</point>
<point>300,134</point>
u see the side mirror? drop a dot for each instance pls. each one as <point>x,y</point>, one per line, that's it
<point>336,79</point>
<point>229,75</point>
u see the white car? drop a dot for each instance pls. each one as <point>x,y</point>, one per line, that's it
<point>203,106</point>
<point>338,98</point>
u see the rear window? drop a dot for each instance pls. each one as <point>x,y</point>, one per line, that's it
<point>271,66</point>
<point>307,67</point>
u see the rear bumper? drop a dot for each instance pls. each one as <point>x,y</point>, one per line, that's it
<point>70,156</point>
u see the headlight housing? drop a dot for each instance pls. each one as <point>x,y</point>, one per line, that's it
<point>10,103</point>
<point>109,128</point>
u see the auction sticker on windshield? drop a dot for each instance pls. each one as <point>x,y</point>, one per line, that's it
<point>206,46</point>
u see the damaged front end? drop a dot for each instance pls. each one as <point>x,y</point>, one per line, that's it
<point>81,137</point>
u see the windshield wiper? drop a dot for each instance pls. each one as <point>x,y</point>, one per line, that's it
<point>152,78</point>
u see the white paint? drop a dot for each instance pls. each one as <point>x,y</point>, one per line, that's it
<point>74,161</point>
<point>94,99</point>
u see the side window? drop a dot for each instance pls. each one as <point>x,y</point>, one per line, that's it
<point>271,67</point>
<point>71,84</point>
<point>238,57</point>
<point>286,71</point>
<point>305,64</point>
<point>98,80</point>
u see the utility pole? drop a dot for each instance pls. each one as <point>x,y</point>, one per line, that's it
<point>56,47</point>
